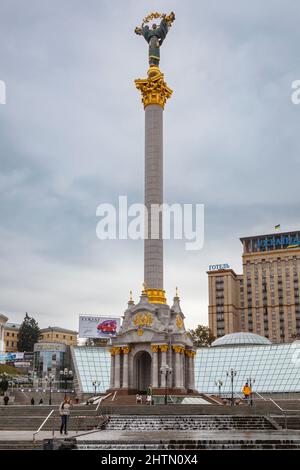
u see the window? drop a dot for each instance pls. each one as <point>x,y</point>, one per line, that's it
<point>64,336</point>
<point>7,334</point>
<point>56,336</point>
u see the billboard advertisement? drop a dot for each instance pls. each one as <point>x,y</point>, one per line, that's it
<point>11,356</point>
<point>98,327</point>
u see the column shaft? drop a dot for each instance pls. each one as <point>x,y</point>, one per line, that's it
<point>125,371</point>
<point>153,248</point>
<point>154,370</point>
<point>177,369</point>
<point>163,363</point>
<point>112,371</point>
<point>117,371</point>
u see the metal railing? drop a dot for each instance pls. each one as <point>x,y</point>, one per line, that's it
<point>101,399</point>
<point>284,412</point>
<point>42,425</point>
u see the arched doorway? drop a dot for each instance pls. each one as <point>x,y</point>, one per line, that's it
<point>142,370</point>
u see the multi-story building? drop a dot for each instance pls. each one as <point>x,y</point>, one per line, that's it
<point>11,331</point>
<point>59,335</point>
<point>3,320</point>
<point>265,298</point>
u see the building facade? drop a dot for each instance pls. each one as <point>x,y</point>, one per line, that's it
<point>59,335</point>
<point>265,298</point>
<point>11,336</point>
<point>3,320</point>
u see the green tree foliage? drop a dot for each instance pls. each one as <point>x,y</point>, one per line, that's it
<point>29,334</point>
<point>3,384</point>
<point>202,336</point>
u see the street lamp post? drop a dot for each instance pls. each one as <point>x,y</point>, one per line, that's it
<point>166,370</point>
<point>219,384</point>
<point>231,373</point>
<point>49,380</point>
<point>66,374</point>
<point>251,381</point>
<point>95,385</point>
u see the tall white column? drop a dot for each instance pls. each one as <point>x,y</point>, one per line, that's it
<point>192,370</point>
<point>182,369</point>
<point>178,366</point>
<point>153,248</point>
<point>125,366</point>
<point>154,349</point>
<point>163,348</point>
<point>117,367</point>
<point>112,368</point>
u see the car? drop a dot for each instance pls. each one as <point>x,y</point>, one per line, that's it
<point>107,327</point>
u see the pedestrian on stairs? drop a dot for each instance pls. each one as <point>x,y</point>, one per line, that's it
<point>247,392</point>
<point>64,411</point>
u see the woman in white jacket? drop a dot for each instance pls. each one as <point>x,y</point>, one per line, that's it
<point>64,411</point>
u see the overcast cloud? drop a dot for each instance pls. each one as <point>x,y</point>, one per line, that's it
<point>72,136</point>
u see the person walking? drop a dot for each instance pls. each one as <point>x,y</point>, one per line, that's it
<point>246,391</point>
<point>6,399</point>
<point>32,401</point>
<point>64,411</point>
<point>41,402</point>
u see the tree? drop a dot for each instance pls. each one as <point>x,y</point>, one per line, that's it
<point>202,336</point>
<point>3,383</point>
<point>29,334</point>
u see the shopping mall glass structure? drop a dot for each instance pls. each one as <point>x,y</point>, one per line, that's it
<point>275,368</point>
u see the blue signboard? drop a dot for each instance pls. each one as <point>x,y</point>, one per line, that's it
<point>216,267</point>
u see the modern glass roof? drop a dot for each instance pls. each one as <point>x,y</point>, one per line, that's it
<point>271,367</point>
<point>241,339</point>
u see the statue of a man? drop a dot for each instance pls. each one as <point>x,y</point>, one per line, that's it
<point>156,36</point>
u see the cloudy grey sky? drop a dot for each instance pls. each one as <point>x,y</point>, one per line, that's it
<point>71,137</point>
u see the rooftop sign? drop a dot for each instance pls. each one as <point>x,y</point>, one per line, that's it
<point>216,267</point>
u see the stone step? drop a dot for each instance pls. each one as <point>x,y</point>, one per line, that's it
<point>191,423</point>
<point>192,445</point>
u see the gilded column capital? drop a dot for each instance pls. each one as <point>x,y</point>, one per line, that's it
<point>117,350</point>
<point>112,351</point>
<point>190,353</point>
<point>179,349</point>
<point>154,89</point>
<point>163,347</point>
<point>126,349</point>
<point>154,348</point>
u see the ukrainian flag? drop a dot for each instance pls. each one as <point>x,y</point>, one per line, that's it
<point>277,227</point>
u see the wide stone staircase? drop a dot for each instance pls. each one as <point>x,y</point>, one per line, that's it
<point>29,418</point>
<point>188,423</point>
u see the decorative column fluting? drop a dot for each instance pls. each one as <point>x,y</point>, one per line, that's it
<point>125,351</point>
<point>178,366</point>
<point>117,367</point>
<point>164,349</point>
<point>155,93</point>
<point>112,368</point>
<point>154,349</point>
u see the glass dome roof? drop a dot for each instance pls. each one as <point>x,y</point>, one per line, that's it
<point>241,339</point>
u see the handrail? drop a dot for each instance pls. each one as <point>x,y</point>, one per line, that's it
<point>260,396</point>
<point>101,399</point>
<point>44,422</point>
<point>283,412</point>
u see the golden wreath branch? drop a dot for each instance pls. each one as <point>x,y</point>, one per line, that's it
<point>152,16</point>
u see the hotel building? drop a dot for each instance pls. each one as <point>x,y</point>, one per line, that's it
<point>265,298</point>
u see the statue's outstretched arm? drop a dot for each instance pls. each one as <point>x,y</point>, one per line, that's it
<point>162,31</point>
